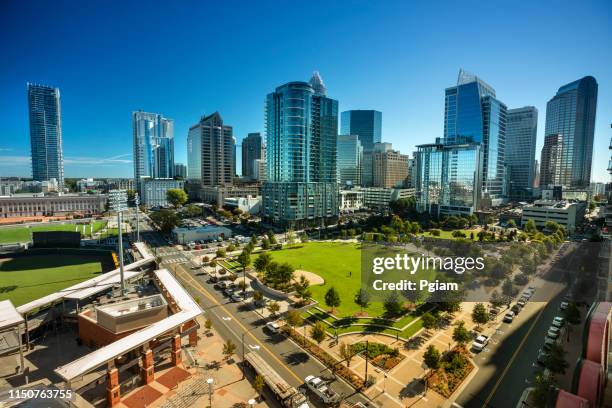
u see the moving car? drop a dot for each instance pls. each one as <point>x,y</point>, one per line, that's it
<point>553,332</point>
<point>273,327</point>
<point>480,342</point>
<point>509,317</point>
<point>322,390</point>
<point>558,322</point>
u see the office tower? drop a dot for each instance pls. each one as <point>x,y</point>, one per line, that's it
<point>194,154</point>
<point>536,174</point>
<point>217,150</point>
<point>410,182</point>
<point>350,155</point>
<point>551,161</point>
<point>570,114</point>
<point>317,84</point>
<point>252,150</point>
<point>260,170</point>
<point>389,167</point>
<point>180,170</point>
<point>367,124</point>
<point>521,133</point>
<point>153,147</point>
<point>473,114</point>
<point>448,178</point>
<point>301,137</point>
<point>46,133</point>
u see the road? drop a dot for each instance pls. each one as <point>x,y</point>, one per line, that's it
<point>234,321</point>
<point>508,364</point>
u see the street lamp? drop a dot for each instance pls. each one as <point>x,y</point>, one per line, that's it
<point>118,202</point>
<point>210,383</point>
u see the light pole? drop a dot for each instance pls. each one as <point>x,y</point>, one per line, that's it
<point>118,203</point>
<point>210,383</point>
<point>137,202</point>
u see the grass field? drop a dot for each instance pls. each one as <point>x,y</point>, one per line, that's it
<point>339,264</point>
<point>25,279</point>
<point>22,234</point>
<point>449,234</point>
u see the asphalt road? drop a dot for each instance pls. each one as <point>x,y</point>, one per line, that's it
<point>234,321</point>
<point>508,364</point>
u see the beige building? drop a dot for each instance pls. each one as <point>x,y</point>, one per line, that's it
<point>389,168</point>
<point>38,205</point>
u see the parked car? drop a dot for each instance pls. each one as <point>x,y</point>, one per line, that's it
<point>480,342</point>
<point>509,317</point>
<point>553,332</point>
<point>542,355</point>
<point>494,311</point>
<point>516,309</point>
<point>236,297</point>
<point>273,327</point>
<point>548,343</point>
<point>527,294</point>
<point>229,292</point>
<point>558,322</point>
<point>522,302</point>
<point>564,305</point>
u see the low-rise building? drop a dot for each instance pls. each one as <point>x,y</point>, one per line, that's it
<point>154,191</point>
<point>351,200</point>
<point>39,205</point>
<point>205,233</point>
<point>249,204</point>
<point>379,198</point>
<point>568,214</point>
<point>218,194</point>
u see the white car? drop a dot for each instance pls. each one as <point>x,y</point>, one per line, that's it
<point>322,390</point>
<point>563,305</point>
<point>553,332</point>
<point>527,294</point>
<point>558,322</point>
<point>480,342</point>
<point>273,327</point>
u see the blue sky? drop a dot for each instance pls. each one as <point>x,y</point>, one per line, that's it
<point>184,59</point>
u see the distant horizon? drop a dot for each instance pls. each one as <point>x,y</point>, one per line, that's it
<point>398,59</point>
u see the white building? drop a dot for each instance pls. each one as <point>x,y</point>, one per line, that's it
<point>567,214</point>
<point>249,204</point>
<point>154,191</point>
<point>380,197</point>
<point>37,205</point>
<point>206,233</point>
<point>351,200</point>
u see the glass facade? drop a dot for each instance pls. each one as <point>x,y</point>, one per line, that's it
<point>153,137</point>
<point>46,133</point>
<point>571,115</point>
<point>521,134</point>
<point>448,178</point>
<point>350,156</point>
<point>252,150</point>
<point>301,138</point>
<point>366,124</point>
<point>194,153</point>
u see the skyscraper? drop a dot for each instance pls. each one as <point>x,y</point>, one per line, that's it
<point>252,150</point>
<point>194,154</point>
<point>217,150</point>
<point>350,156</point>
<point>301,137</point>
<point>521,134</point>
<point>153,147</point>
<point>551,161</point>
<point>570,114</point>
<point>46,133</point>
<point>473,114</point>
<point>367,124</point>
<point>180,170</point>
<point>389,167</point>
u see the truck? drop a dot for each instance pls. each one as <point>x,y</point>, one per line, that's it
<point>287,396</point>
<point>480,342</point>
<point>322,390</point>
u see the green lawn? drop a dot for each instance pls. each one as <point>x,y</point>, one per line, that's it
<point>25,279</point>
<point>22,234</point>
<point>339,264</point>
<point>449,234</point>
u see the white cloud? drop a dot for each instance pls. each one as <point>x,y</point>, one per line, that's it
<point>14,160</point>
<point>99,161</point>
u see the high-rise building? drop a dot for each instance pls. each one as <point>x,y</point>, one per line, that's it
<point>217,150</point>
<point>410,183</point>
<point>389,167</point>
<point>153,137</point>
<point>46,133</point>
<point>180,170</point>
<point>367,124</point>
<point>473,114</point>
<point>301,136</point>
<point>536,174</point>
<point>252,150</point>
<point>521,134</point>
<point>551,161</point>
<point>350,155</point>
<point>448,178</point>
<point>570,115</point>
<point>194,155</point>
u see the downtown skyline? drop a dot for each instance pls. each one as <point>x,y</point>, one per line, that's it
<point>411,100</point>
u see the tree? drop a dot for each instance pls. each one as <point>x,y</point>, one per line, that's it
<point>431,357</point>
<point>229,348</point>
<point>221,253</point>
<point>293,319</point>
<point>480,314</point>
<point>346,353</point>
<point>291,237</point>
<point>262,262</point>
<point>393,305</point>
<point>166,219</point>
<point>205,260</point>
<point>244,259</point>
<point>259,383</point>
<point>543,384</point>
<point>131,194</point>
<point>429,321</point>
<point>257,297</point>
<point>176,197</point>
<point>317,332</point>
<point>304,237</point>
<point>362,299</point>
<point>273,307</point>
<point>461,335</point>
<point>208,324</point>
<point>511,224</point>
<point>265,244</point>
<point>272,238</point>
<point>213,263</point>
<point>302,288</point>
<point>508,288</point>
<point>253,240</point>
<point>285,273</point>
<point>572,314</point>
<point>192,210</point>
<point>231,248</point>
<point>332,298</point>
<point>530,227</point>
<point>496,299</point>
<point>555,360</point>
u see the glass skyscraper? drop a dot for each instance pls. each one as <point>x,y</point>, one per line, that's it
<point>570,115</point>
<point>194,154</point>
<point>350,156</point>
<point>46,133</point>
<point>521,134</point>
<point>252,150</point>
<point>367,124</point>
<point>153,146</point>
<point>301,136</point>
<point>473,114</point>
